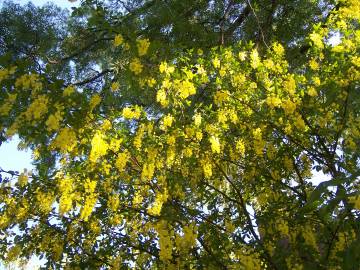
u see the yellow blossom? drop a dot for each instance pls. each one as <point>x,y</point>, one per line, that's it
<point>317,40</point>
<point>288,106</point>
<point>65,140</point>
<point>68,91</point>
<point>254,59</point>
<point>215,144</point>
<point>278,49</point>
<point>167,121</point>
<point>115,86</point>
<point>142,46</point>
<point>136,66</point>
<point>99,147</point>
<point>197,119</point>
<point>131,112</point>
<point>311,91</point>
<point>121,160</point>
<point>216,62</point>
<point>118,40</point>
<point>156,207</point>
<point>53,122</point>
<point>273,101</point>
<point>94,101</point>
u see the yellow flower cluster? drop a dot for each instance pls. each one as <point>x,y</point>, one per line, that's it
<point>216,62</point>
<point>45,201</point>
<point>118,40</point>
<point>23,178</point>
<point>6,72</point>
<point>167,121</point>
<point>188,240</point>
<point>160,199</point>
<point>37,108</point>
<point>166,68</point>
<point>94,101</point>
<point>121,160</point>
<point>131,112</point>
<point>99,146</point>
<point>255,59</point>
<point>161,97</point>
<point>90,186</point>
<point>240,147</point>
<point>165,241</point>
<point>113,202</point>
<point>68,91</point>
<point>65,140</point>
<point>8,104</point>
<point>147,171</point>
<point>317,40</point>
<point>220,97</point>
<point>88,206</point>
<point>273,101</point>
<point>142,46</point>
<point>136,66</point>
<point>66,198</point>
<point>289,106</point>
<point>185,89</point>
<point>29,81</point>
<point>53,122</point>
<point>138,137</point>
<point>215,144</point>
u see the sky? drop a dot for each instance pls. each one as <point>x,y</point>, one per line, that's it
<point>61,3</point>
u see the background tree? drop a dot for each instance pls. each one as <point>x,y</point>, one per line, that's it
<point>183,134</point>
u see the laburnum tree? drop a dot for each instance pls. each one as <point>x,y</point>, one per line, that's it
<point>182,134</point>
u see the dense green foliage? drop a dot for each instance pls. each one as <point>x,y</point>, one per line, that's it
<point>182,134</point>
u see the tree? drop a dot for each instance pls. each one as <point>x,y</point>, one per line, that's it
<point>183,135</point>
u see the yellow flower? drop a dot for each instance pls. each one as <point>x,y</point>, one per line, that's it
<point>118,40</point>
<point>240,147</point>
<point>242,56</point>
<point>136,66</point>
<point>273,101</point>
<point>288,106</point>
<point>186,88</point>
<point>207,168</point>
<point>355,200</point>
<point>278,49</point>
<point>143,46</point>
<point>313,64</point>
<point>197,119</point>
<point>38,108</point>
<point>53,122</point>
<point>23,179</point>
<point>168,120</point>
<point>317,40</point>
<point>121,160</point>
<point>161,97</point>
<point>94,101</point>
<point>215,144</point>
<point>65,140</point>
<point>254,59</point>
<point>165,68</point>
<point>131,112</point>
<point>68,91</point>
<point>99,147</point>
<point>216,62</point>
<point>115,86</point>
<point>155,209</point>
<point>290,85</point>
